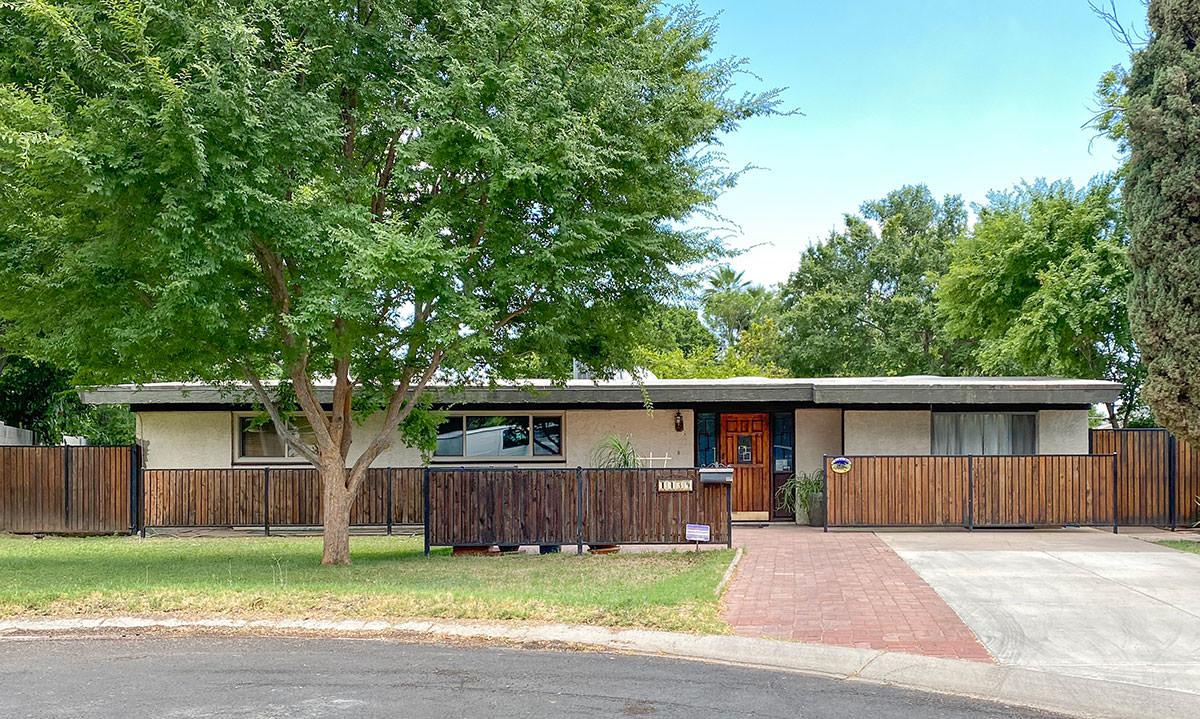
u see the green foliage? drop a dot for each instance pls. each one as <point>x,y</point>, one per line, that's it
<point>613,452</point>
<point>862,302</point>
<point>1109,120</point>
<point>797,490</point>
<point>751,356</point>
<point>732,305</point>
<point>383,191</point>
<point>1040,284</point>
<point>1162,202</point>
<point>41,397</point>
<point>674,327</point>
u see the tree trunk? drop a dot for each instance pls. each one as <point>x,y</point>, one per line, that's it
<point>336,510</point>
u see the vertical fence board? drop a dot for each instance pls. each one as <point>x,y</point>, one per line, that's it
<point>934,491</point>
<point>37,484</point>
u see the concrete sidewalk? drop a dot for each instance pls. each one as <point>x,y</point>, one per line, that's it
<point>1077,602</point>
<point>1047,691</point>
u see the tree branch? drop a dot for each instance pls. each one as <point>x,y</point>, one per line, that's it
<point>284,430</point>
<point>399,408</point>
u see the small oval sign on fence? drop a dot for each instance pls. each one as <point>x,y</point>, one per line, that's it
<point>841,465</point>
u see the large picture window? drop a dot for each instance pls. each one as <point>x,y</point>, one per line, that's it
<point>980,433</point>
<point>499,436</point>
<point>259,440</point>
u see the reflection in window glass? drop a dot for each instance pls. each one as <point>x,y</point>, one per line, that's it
<point>706,439</point>
<point>547,436</point>
<point>783,432</point>
<point>745,449</point>
<point>450,438</point>
<point>263,441</point>
<point>498,436</point>
<point>260,441</point>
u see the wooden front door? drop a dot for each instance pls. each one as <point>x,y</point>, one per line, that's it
<point>745,446</point>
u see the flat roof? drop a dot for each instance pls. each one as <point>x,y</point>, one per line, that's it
<point>827,391</point>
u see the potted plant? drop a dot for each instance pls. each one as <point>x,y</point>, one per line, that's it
<point>803,494</point>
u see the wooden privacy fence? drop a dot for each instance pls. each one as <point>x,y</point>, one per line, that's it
<point>1158,476</point>
<point>67,489</point>
<point>1003,491</point>
<point>482,507</point>
<point>273,497</point>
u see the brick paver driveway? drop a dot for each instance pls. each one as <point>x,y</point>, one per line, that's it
<point>841,588</point>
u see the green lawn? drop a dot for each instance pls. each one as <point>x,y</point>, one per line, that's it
<point>389,578</point>
<point>1183,545</point>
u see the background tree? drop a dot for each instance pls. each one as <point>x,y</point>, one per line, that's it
<point>862,301</point>
<point>732,304</point>
<point>677,327</point>
<point>42,398</point>
<point>378,193</point>
<point>1162,202</point>
<point>1039,287</point>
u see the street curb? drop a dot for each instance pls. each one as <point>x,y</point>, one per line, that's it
<point>1046,691</point>
<point>733,563</point>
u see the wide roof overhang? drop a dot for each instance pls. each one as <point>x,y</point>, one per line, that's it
<point>839,391</point>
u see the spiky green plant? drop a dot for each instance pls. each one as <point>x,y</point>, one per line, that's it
<point>613,452</point>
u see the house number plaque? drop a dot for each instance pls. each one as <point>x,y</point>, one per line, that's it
<point>674,485</point>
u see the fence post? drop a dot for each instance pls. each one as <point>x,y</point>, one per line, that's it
<point>824,489</point>
<point>389,500</point>
<point>1172,477</point>
<point>266,501</point>
<point>579,511</point>
<point>1114,491</point>
<point>141,500</point>
<point>729,515</point>
<point>970,493</point>
<point>134,490</point>
<point>426,512</point>
<point>66,486</point>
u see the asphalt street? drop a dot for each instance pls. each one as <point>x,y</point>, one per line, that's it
<point>266,677</point>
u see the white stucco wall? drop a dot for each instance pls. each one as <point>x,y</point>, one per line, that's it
<point>185,440</point>
<point>818,433</point>
<point>652,435</point>
<point>205,439</point>
<point>888,432</point>
<point>1062,431</point>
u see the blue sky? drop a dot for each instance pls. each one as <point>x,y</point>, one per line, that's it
<point>962,95</point>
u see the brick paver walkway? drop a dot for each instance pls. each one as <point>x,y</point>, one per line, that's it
<point>843,588</point>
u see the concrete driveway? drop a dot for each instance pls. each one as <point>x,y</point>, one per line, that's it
<point>1081,602</point>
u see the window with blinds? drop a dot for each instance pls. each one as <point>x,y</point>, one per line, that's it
<point>980,433</point>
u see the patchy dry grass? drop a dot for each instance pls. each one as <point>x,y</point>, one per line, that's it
<point>389,578</point>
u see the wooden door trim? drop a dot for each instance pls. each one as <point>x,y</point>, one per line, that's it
<point>751,502</point>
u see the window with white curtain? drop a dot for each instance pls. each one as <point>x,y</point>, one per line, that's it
<point>961,433</point>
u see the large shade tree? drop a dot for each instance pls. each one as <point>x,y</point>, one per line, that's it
<point>381,195</point>
<point>862,301</point>
<point>1162,202</point>
<point>1039,287</point>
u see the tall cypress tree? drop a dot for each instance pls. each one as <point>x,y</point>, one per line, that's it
<point>1162,196</point>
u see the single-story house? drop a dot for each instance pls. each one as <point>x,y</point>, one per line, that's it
<point>766,428</point>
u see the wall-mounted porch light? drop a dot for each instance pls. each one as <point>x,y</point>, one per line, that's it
<point>678,421</point>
